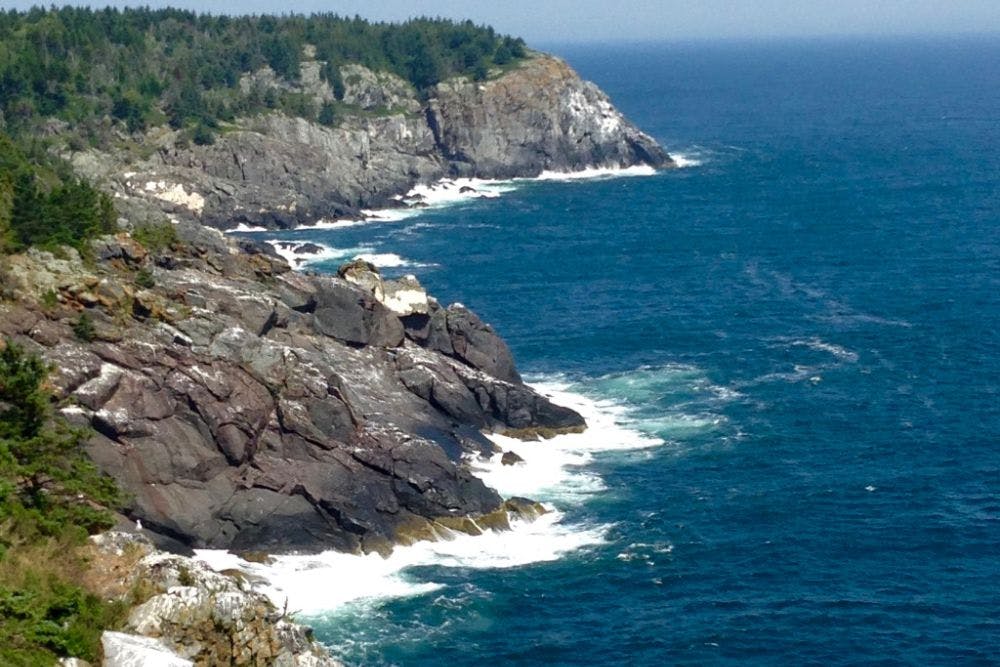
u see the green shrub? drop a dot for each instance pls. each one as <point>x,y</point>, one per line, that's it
<point>50,299</point>
<point>144,279</point>
<point>47,486</point>
<point>43,204</point>
<point>44,612</point>
<point>83,328</point>
<point>328,115</point>
<point>156,237</point>
<point>203,135</point>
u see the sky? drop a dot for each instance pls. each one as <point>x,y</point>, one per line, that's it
<point>554,21</point>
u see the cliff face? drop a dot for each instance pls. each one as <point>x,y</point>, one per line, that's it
<point>278,171</point>
<point>540,116</point>
<point>245,406</point>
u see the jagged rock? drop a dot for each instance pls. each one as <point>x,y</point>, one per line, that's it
<point>540,116</point>
<point>346,313</point>
<point>196,616</point>
<point>121,247</point>
<point>283,411</point>
<point>459,332</point>
<point>405,297</point>
<point>377,90</point>
<point>365,275</point>
<point>510,459</point>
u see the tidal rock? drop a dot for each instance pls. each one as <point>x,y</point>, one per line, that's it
<point>510,459</point>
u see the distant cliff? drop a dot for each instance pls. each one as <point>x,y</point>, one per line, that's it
<point>275,170</point>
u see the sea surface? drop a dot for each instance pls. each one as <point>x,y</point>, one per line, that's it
<point>789,353</point>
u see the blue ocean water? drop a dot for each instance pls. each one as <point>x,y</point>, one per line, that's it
<point>808,320</point>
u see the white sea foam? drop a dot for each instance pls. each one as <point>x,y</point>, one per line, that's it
<point>553,469</point>
<point>386,260</point>
<point>837,351</point>
<point>683,160</point>
<point>450,191</point>
<point>297,257</point>
<point>295,254</point>
<point>331,582</point>
<point>596,172</point>
<point>244,227</point>
<point>326,583</point>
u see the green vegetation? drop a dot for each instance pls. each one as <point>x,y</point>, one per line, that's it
<point>83,328</point>
<point>142,67</point>
<point>51,498</point>
<point>155,237</point>
<point>43,204</point>
<point>144,279</point>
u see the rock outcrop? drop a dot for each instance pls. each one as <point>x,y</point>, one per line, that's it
<point>190,615</point>
<point>278,171</point>
<point>246,406</point>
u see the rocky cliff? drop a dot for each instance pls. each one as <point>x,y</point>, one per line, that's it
<point>246,406</point>
<point>276,171</point>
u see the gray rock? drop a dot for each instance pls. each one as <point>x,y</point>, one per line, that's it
<point>278,172</point>
<point>125,650</point>
<point>285,411</point>
<point>538,117</point>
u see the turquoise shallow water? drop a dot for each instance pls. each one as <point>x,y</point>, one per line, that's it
<point>808,320</point>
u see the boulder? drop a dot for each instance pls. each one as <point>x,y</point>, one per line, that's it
<point>348,314</point>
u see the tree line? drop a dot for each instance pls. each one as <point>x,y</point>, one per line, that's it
<point>143,67</point>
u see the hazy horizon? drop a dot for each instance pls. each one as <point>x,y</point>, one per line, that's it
<point>582,21</point>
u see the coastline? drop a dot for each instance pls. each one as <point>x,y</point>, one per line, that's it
<point>554,472</point>
<point>421,198</point>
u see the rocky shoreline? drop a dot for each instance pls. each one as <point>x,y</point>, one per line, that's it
<point>186,614</point>
<point>248,407</point>
<point>275,171</point>
<point>245,406</point>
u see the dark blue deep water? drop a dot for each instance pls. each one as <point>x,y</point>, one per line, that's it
<point>809,320</point>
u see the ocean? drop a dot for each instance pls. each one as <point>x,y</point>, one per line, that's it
<point>788,351</point>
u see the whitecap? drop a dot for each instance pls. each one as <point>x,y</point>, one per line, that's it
<point>245,228</point>
<point>683,160</point>
<point>553,469</point>
<point>822,346</point>
<point>297,257</point>
<point>330,582</point>
<point>596,172</point>
<point>383,259</point>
